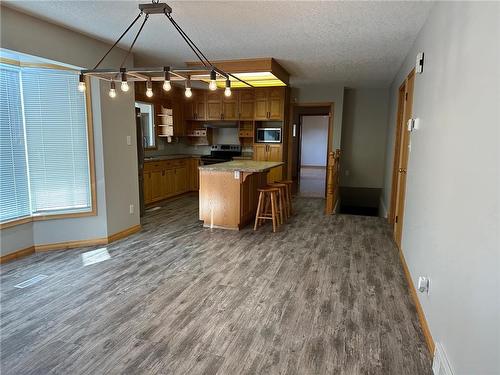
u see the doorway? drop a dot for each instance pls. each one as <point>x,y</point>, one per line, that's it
<point>401,154</point>
<point>313,155</point>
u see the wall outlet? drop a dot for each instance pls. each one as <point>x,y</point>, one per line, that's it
<point>131,209</point>
<point>129,140</point>
<point>423,284</point>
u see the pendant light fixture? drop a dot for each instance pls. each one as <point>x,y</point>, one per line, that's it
<point>166,74</point>
<point>112,90</point>
<point>166,79</point>
<point>81,83</point>
<point>124,85</point>
<point>213,83</point>
<point>149,89</point>
<point>227,91</point>
<point>188,91</point>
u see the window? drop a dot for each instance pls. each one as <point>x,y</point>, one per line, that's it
<point>147,124</point>
<point>44,143</point>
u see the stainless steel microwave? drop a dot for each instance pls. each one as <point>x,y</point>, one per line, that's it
<point>268,135</point>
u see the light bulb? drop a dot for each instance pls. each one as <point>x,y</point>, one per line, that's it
<point>81,83</point>
<point>227,91</point>
<point>124,86</point>
<point>213,84</point>
<point>149,92</point>
<point>188,92</point>
<point>112,90</point>
<point>167,86</point>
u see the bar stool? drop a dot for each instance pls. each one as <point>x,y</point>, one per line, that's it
<point>289,185</point>
<point>267,196</point>
<point>282,201</point>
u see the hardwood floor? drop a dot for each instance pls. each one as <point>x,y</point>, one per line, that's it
<point>325,295</point>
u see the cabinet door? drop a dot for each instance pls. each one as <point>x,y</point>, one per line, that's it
<point>147,187</point>
<point>214,105</point>
<point>193,175</point>
<point>156,188</point>
<point>276,103</point>
<point>260,152</point>
<point>231,107</point>
<point>189,110</point>
<point>275,153</point>
<point>247,109</point>
<point>274,175</point>
<point>180,180</point>
<point>200,110</point>
<point>168,183</point>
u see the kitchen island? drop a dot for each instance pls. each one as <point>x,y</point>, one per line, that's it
<point>228,192</point>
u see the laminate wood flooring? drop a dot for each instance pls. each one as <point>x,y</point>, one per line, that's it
<point>325,295</point>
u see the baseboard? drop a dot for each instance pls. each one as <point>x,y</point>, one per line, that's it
<point>383,208</point>
<point>314,166</point>
<point>70,244</point>
<point>17,254</point>
<point>420,312</point>
<point>124,233</point>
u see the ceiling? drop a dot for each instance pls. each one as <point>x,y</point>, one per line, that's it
<point>358,44</point>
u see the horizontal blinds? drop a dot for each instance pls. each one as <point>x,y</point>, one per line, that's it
<point>14,190</point>
<point>56,138</point>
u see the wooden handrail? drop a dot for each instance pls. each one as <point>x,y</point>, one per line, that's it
<point>332,181</point>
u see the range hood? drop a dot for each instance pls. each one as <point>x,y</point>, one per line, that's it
<point>220,125</point>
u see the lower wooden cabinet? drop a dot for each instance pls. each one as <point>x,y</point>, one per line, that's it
<point>168,178</point>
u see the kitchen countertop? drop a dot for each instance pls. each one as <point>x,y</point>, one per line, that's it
<point>170,157</point>
<point>242,166</point>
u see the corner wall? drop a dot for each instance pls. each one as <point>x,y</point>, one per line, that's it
<point>451,220</point>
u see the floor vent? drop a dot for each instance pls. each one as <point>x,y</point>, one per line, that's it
<point>440,363</point>
<point>31,281</point>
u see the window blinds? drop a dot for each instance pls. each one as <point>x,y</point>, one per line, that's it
<point>14,190</point>
<point>56,140</point>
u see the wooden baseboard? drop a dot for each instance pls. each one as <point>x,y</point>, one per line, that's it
<point>420,312</point>
<point>17,254</point>
<point>124,233</point>
<point>70,244</point>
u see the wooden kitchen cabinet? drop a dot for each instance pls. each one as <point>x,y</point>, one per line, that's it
<point>269,104</point>
<point>230,110</point>
<point>168,183</point>
<point>247,104</point>
<point>180,180</point>
<point>195,107</point>
<point>156,182</point>
<point>194,174</point>
<point>269,152</point>
<point>214,105</point>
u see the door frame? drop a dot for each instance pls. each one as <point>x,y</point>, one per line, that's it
<point>401,156</point>
<point>293,108</point>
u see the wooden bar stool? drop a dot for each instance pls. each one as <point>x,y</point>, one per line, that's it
<point>282,201</point>
<point>289,185</point>
<point>268,196</point>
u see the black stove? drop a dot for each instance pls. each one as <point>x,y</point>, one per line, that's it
<point>221,154</point>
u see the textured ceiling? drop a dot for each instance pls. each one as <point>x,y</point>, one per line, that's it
<point>360,44</point>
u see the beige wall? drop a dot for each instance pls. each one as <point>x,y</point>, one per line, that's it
<point>116,163</point>
<point>452,214</point>
<point>364,128</point>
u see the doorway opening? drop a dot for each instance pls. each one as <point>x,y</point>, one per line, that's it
<point>313,155</point>
<point>311,141</point>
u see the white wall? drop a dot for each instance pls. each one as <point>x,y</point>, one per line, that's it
<point>118,187</point>
<point>314,145</point>
<point>451,221</point>
<point>322,94</point>
<point>364,136</point>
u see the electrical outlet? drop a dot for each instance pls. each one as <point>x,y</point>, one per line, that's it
<point>423,284</point>
<point>129,140</point>
<point>131,209</point>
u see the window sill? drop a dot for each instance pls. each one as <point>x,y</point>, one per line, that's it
<point>53,216</point>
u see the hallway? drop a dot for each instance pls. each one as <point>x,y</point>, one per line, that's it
<point>325,295</point>
<point>312,182</point>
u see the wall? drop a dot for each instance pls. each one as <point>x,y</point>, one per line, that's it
<point>451,220</point>
<point>112,122</point>
<point>321,94</point>
<point>314,147</point>
<point>364,128</point>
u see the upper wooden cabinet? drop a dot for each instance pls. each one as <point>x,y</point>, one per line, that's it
<point>230,106</point>
<point>214,105</point>
<point>269,103</point>
<point>195,107</point>
<point>247,104</point>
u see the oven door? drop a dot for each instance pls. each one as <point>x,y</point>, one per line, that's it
<point>269,135</point>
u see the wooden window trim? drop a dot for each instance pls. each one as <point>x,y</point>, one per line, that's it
<point>91,153</point>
